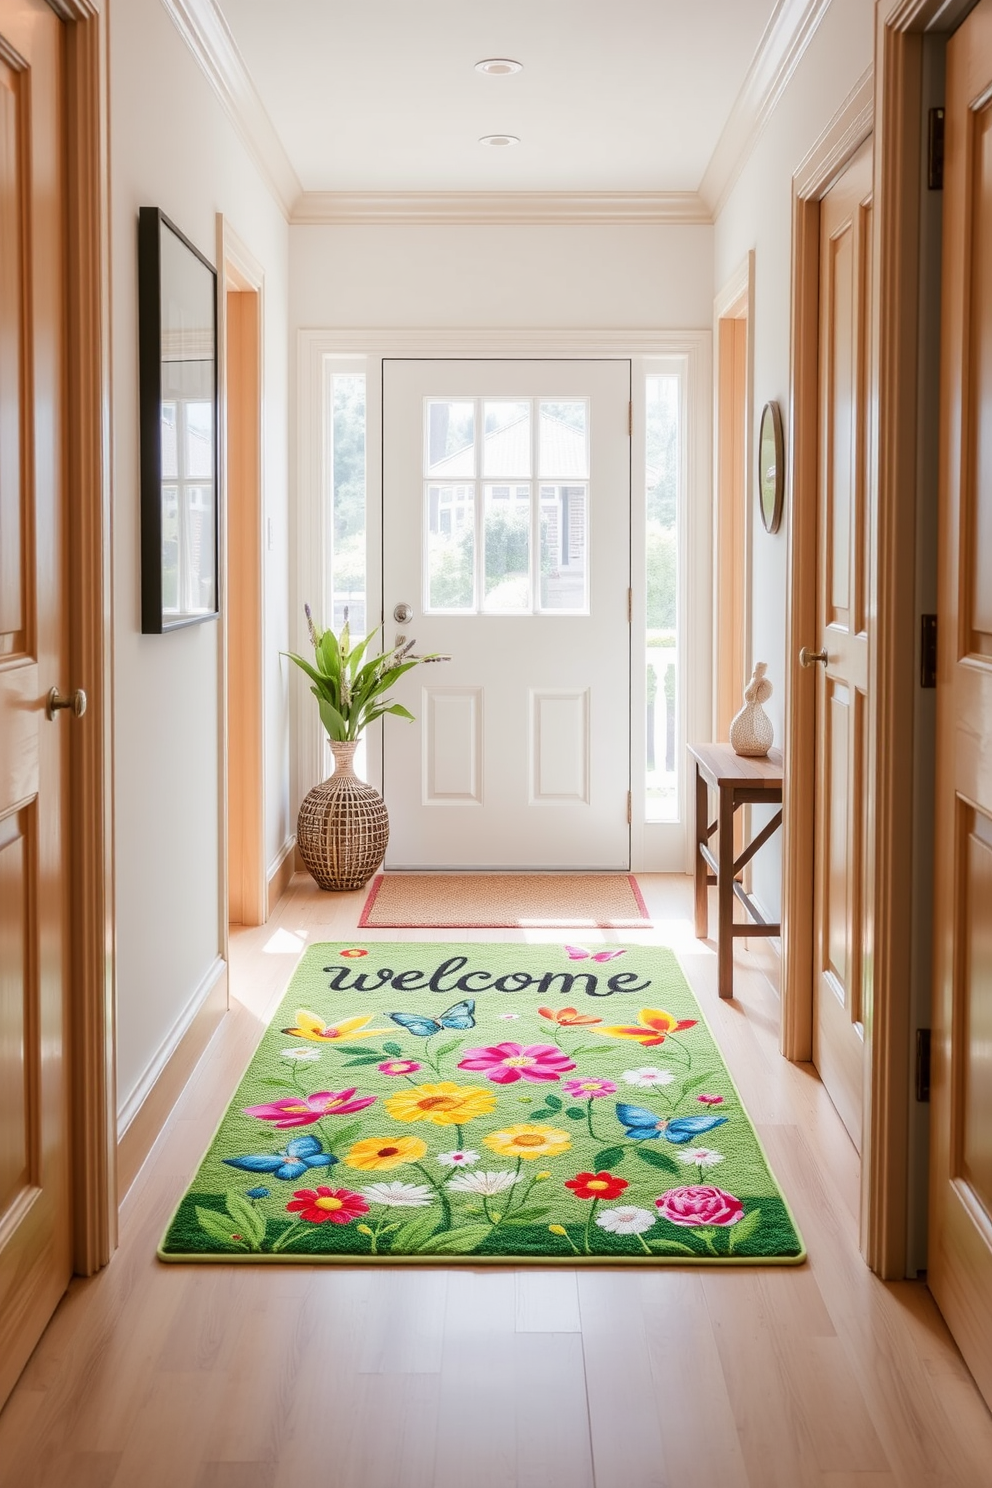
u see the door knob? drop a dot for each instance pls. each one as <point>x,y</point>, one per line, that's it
<point>75,702</point>
<point>403,614</point>
<point>807,658</point>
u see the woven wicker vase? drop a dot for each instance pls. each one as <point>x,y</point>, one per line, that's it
<point>343,826</point>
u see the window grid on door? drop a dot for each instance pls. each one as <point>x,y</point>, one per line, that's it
<point>497,540</point>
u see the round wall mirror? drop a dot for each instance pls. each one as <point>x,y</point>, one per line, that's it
<point>771,467</point>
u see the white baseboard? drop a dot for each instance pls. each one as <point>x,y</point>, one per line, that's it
<point>279,873</point>
<point>173,1039</point>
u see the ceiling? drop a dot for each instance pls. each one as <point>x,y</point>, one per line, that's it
<point>383,96</point>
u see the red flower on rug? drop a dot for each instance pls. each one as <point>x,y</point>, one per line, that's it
<point>327,1205</point>
<point>596,1185</point>
<point>301,1110</point>
<point>353,951</point>
<point>505,1063</point>
<point>700,1204</point>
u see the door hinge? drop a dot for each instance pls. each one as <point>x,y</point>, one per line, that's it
<point>630,418</point>
<point>935,149</point>
<point>630,809</point>
<point>928,650</point>
<point>630,606</point>
<point>923,1064</point>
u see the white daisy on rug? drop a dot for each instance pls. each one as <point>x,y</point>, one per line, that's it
<point>399,1195</point>
<point>485,1183</point>
<point>302,1056</point>
<point>648,1077</point>
<point>625,1220</point>
<point>465,1158</point>
<point>700,1157</point>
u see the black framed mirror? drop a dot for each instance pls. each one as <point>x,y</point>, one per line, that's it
<point>177,335</point>
<point>771,467</point>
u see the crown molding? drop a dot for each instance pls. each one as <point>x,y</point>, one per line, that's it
<point>557,342</point>
<point>497,208</point>
<point>205,31</point>
<point>787,35</point>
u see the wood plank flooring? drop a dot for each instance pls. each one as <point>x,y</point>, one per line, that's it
<point>154,1376</point>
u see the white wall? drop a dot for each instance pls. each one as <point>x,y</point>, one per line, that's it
<point>172,147</point>
<point>758,215</point>
<point>579,276</point>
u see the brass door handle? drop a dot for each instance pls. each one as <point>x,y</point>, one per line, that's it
<point>807,658</point>
<point>75,702</point>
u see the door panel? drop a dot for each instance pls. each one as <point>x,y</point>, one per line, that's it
<point>960,1258</point>
<point>845,235</point>
<point>35,1222</point>
<point>506,522</point>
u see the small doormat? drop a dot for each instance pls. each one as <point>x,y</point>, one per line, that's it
<point>504,901</point>
<point>486,1103</point>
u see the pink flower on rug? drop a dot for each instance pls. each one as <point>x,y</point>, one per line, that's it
<point>589,1088</point>
<point>699,1204</point>
<point>302,1110</point>
<point>710,1100</point>
<point>398,1067</point>
<point>505,1063</point>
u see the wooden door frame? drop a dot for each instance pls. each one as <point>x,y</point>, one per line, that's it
<point>241,569</point>
<point>733,506</point>
<point>893,478</point>
<point>90,1028</point>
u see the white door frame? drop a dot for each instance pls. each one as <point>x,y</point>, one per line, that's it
<point>370,346</point>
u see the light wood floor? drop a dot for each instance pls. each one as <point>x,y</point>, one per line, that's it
<point>156,1376</point>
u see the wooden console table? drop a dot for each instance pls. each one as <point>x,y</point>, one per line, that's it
<point>738,781</point>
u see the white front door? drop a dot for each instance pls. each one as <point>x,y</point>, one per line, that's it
<point>506,531</point>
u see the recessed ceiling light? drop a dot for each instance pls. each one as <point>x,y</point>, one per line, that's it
<point>498,66</point>
<point>499,139</point>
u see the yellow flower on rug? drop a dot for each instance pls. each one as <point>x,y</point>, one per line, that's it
<point>309,1026</point>
<point>528,1139</point>
<point>379,1153</point>
<point>444,1104</point>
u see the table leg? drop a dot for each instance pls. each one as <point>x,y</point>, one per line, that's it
<point>699,862</point>
<point>725,894</point>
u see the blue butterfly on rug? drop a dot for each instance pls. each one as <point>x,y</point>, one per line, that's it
<point>293,1161</point>
<point>458,1016</point>
<point>644,1125</point>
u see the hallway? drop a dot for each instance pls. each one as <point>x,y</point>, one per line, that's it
<point>215,1377</point>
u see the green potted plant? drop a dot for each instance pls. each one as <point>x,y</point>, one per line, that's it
<point>343,827</point>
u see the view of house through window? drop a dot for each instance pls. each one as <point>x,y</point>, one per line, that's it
<point>345,426</point>
<point>662,461</point>
<point>497,541</point>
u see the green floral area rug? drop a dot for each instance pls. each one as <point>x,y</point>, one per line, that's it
<point>486,1103</point>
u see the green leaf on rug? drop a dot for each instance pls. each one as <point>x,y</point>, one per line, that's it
<point>744,1229</point>
<point>527,1215</point>
<point>352,1048</point>
<point>585,1050</point>
<point>697,1080</point>
<point>575,1113</point>
<point>448,1048</point>
<point>345,1135</point>
<point>218,1227</point>
<point>368,1058</point>
<point>246,1217</point>
<point>412,1235</point>
<point>274,1083</point>
<point>610,1157</point>
<point>672,1247</point>
<point>460,1241</point>
<point>553,1102</point>
<point>657,1159</point>
<point>393,1049</point>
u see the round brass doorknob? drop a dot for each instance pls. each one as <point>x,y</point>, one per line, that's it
<point>75,702</point>
<point>808,658</point>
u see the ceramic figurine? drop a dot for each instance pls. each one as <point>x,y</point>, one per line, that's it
<point>751,731</point>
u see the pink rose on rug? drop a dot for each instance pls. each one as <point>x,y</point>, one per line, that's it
<point>301,1110</point>
<point>505,1063</point>
<point>699,1204</point>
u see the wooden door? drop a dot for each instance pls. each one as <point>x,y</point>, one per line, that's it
<point>35,1218</point>
<point>842,638</point>
<point>506,531</point>
<point>960,1257</point>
